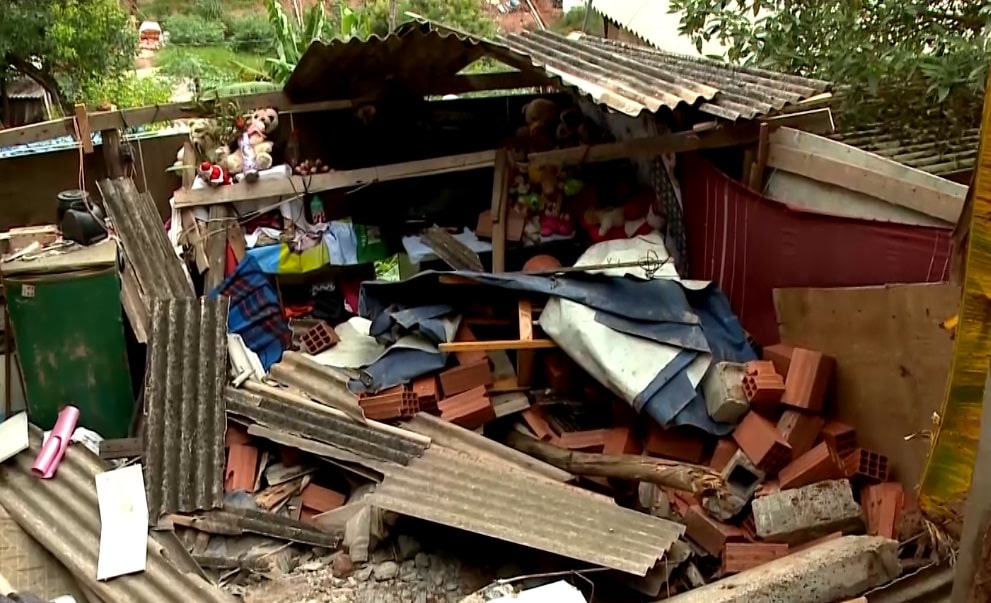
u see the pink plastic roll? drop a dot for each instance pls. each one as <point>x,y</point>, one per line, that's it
<point>54,448</point>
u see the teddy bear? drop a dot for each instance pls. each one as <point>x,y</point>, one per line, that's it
<point>260,125</point>
<point>205,136</point>
<point>541,116</point>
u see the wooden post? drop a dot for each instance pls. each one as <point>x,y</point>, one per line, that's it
<point>111,152</point>
<point>8,346</point>
<point>756,180</point>
<point>972,574</point>
<point>82,123</point>
<point>500,210</point>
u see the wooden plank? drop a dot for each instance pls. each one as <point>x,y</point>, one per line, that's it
<point>221,217</point>
<point>890,347</point>
<point>679,142</point>
<point>116,120</point>
<point>923,199</point>
<point>525,359</point>
<point>491,346</point>
<point>122,448</point>
<point>134,304</point>
<point>295,185</point>
<point>83,129</point>
<point>508,80</point>
<point>500,209</point>
<point>760,164</point>
<point>451,251</point>
<point>817,121</point>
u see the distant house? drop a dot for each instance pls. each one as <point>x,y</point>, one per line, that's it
<point>27,103</point>
<point>648,22</point>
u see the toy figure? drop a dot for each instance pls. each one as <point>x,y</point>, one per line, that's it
<point>213,174</point>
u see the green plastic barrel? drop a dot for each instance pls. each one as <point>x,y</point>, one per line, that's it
<point>65,314</point>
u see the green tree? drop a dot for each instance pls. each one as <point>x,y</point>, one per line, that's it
<point>900,59</point>
<point>65,44</point>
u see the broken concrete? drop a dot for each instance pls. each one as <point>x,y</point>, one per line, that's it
<point>833,571</point>
<point>804,514</point>
<point>722,388</point>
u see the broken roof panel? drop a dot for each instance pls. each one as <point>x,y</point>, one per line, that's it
<point>630,79</point>
<point>63,515</point>
<point>237,522</point>
<point>495,500</point>
<point>158,273</point>
<point>633,79</point>
<point>321,424</point>
<point>184,404</point>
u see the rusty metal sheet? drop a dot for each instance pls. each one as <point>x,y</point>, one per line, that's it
<point>63,515</point>
<point>184,406</point>
<point>458,490</point>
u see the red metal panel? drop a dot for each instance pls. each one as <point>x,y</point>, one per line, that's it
<point>750,245</point>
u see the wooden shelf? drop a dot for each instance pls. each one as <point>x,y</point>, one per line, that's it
<point>297,185</point>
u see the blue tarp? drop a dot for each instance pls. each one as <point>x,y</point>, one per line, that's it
<point>661,310</point>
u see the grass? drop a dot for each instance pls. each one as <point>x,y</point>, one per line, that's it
<point>211,55</point>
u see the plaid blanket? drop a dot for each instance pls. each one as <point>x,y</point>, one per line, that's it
<point>255,313</point>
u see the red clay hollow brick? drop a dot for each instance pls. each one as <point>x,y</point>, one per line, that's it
<point>761,367</point>
<point>536,420</point>
<point>800,430</point>
<point>383,407</point>
<point>708,533</point>
<point>593,440</point>
<point>817,465</point>
<point>883,505</point>
<point>427,390</point>
<point>559,370</point>
<point>236,434</point>
<point>741,556</point>
<point>749,528</point>
<point>764,390</point>
<point>321,499</point>
<point>465,334</point>
<point>866,465</point>
<point>242,468</point>
<point>779,355</point>
<point>471,409</point>
<point>318,338</point>
<point>809,375</point>
<point>842,437</point>
<point>465,377</point>
<point>725,449</point>
<point>761,442</point>
<point>767,488</point>
<point>620,440</point>
<point>675,444</point>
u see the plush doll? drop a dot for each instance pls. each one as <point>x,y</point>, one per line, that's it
<point>253,143</point>
<point>541,117</point>
<point>205,136</point>
<point>213,174</point>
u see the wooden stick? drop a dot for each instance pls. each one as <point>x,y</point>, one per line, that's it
<point>669,474</point>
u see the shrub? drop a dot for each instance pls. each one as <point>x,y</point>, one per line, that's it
<point>187,30</point>
<point>127,90</point>
<point>252,33</point>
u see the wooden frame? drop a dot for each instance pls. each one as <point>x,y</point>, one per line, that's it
<point>297,185</point>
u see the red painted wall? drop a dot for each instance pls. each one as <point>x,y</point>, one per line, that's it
<point>750,245</point>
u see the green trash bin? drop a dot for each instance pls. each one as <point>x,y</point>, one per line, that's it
<point>65,314</point>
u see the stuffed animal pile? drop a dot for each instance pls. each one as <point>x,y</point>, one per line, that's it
<point>253,142</point>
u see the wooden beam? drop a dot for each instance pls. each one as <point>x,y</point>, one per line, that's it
<point>296,185</point>
<point>508,80</point>
<point>500,209</point>
<point>711,137</point>
<point>82,128</point>
<point>817,121</point>
<point>492,346</point>
<point>116,120</point>
<point>756,180</point>
<point>926,200</point>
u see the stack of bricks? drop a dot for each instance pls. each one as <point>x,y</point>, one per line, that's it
<point>393,403</point>
<point>783,443</point>
<point>470,409</point>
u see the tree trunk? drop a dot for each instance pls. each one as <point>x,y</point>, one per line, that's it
<point>44,79</point>
<point>669,474</point>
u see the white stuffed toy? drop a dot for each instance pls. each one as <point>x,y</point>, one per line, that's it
<point>261,123</point>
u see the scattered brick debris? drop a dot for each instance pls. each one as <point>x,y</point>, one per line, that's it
<point>762,443</point>
<point>866,465</point>
<point>318,338</point>
<point>741,556</point>
<point>808,379</point>
<point>678,444</point>
<point>465,377</point>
